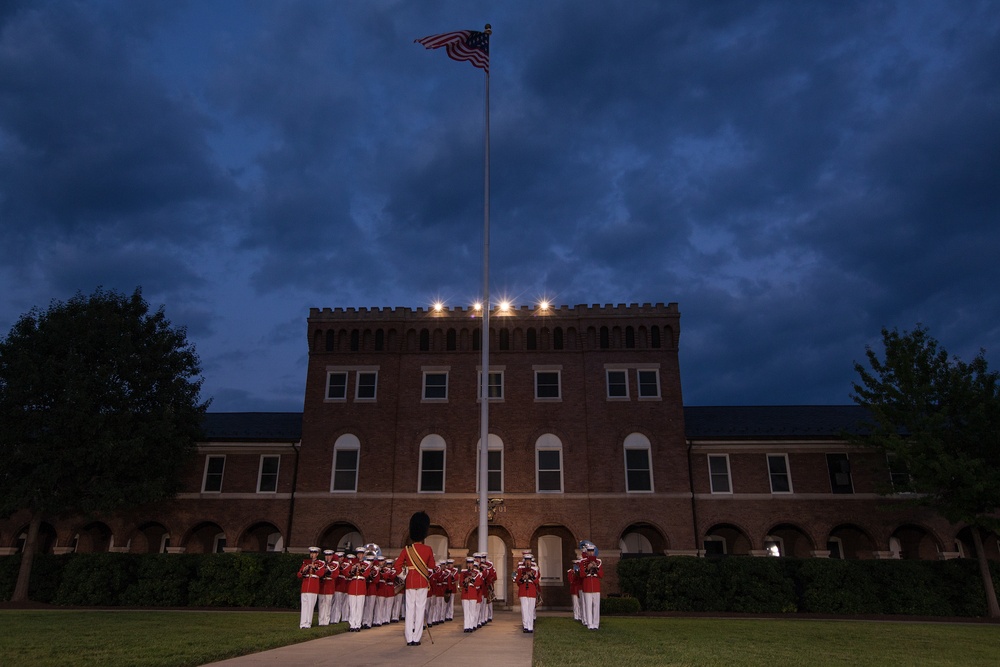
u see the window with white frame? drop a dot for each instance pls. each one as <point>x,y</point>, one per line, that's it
<point>617,383</point>
<point>215,466</point>
<point>550,560</point>
<point>774,545</point>
<point>835,546</point>
<point>649,383</point>
<point>715,545</point>
<point>638,464</point>
<point>547,385</point>
<point>718,470</point>
<point>267,477</point>
<point>346,452</point>
<point>494,463</point>
<point>496,385</point>
<point>432,460</point>
<point>840,473</point>
<point>435,385</point>
<point>336,386</point>
<point>366,385</point>
<point>777,471</point>
<point>548,459</point>
<point>219,543</point>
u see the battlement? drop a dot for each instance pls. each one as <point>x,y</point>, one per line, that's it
<point>523,311</point>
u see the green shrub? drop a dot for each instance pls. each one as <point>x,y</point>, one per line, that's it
<point>225,580</point>
<point>96,579</point>
<point>619,606</point>
<point>756,585</point>
<point>161,581</point>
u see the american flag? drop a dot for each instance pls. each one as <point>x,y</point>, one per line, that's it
<point>470,45</point>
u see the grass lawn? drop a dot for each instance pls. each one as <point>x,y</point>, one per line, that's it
<point>143,639</point>
<point>623,642</point>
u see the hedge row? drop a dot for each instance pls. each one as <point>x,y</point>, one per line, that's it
<point>159,580</point>
<point>829,586</point>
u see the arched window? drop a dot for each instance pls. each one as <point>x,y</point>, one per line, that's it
<point>548,459</point>
<point>635,543</point>
<point>654,334</point>
<point>355,340</point>
<point>346,452</point>
<point>504,339</point>
<point>425,340</point>
<point>605,338</point>
<point>330,341</point>
<point>557,338</point>
<point>379,340</point>
<point>531,342</point>
<point>629,337</point>
<point>638,464</point>
<point>451,340</point>
<point>432,460</point>
<point>550,559</point>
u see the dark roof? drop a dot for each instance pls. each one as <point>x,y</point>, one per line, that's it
<point>772,421</point>
<point>700,422</point>
<point>279,426</point>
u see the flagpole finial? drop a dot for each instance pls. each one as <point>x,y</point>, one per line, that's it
<point>489,29</point>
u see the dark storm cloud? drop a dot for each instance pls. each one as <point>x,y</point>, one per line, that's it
<point>794,175</point>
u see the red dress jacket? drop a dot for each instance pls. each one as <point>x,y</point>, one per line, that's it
<point>310,572</point>
<point>527,582</point>
<point>470,582</point>
<point>592,571</point>
<point>356,575</point>
<point>413,577</point>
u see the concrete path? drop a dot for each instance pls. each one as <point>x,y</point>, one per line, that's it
<point>498,644</point>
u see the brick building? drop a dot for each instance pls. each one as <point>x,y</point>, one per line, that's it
<point>589,439</point>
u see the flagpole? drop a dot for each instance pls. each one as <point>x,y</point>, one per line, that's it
<point>484,410</point>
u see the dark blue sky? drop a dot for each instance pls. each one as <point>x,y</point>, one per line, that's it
<point>796,175</point>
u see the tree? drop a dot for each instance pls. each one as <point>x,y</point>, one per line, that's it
<point>939,418</point>
<point>99,410</point>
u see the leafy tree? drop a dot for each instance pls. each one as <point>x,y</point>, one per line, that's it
<point>939,418</point>
<point>99,410</point>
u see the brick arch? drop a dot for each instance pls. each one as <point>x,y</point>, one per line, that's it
<point>737,538</point>
<point>255,537</point>
<point>199,538</point>
<point>917,542</point>
<point>798,543</point>
<point>658,540</point>
<point>330,535</point>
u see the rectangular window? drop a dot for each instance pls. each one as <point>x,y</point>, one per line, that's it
<point>549,470</point>
<point>366,385</point>
<point>345,470</point>
<point>267,479</point>
<point>435,386</point>
<point>214,467</point>
<point>899,475</point>
<point>617,384</point>
<point>777,470</point>
<point>495,388</point>
<point>840,473</point>
<point>718,469</point>
<point>547,384</point>
<point>649,383</point>
<point>494,471</point>
<point>638,476</point>
<point>336,386</point>
<point>432,471</point>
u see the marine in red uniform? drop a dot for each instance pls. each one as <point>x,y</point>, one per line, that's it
<point>309,572</point>
<point>327,586</point>
<point>470,583</point>
<point>573,577</point>
<point>592,571</point>
<point>527,578</point>
<point>418,559</point>
<point>356,588</point>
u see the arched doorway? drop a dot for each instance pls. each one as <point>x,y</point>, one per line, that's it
<point>498,543</point>
<point>725,539</point>
<point>152,538</point>
<point>850,542</point>
<point>263,537</point>
<point>789,541</point>
<point>911,542</point>
<point>341,535</point>
<point>205,538</point>
<point>642,539</point>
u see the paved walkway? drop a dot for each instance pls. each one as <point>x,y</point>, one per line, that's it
<point>499,644</point>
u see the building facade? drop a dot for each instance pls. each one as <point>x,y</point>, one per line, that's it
<point>589,439</point>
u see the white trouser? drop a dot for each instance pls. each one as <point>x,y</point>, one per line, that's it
<point>397,606</point>
<point>325,607</point>
<point>355,607</point>
<point>592,609</point>
<point>338,613</point>
<point>416,604</point>
<point>449,608</point>
<point>528,613</point>
<point>308,601</point>
<point>470,614</point>
<point>583,611</point>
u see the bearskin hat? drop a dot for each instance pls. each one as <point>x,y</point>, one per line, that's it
<point>420,523</point>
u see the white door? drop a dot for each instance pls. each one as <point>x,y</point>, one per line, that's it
<point>497,551</point>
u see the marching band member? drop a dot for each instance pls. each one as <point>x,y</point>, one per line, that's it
<point>339,612</point>
<point>449,589</point>
<point>309,572</point>
<point>573,577</point>
<point>327,586</point>
<point>470,581</point>
<point>527,578</point>
<point>592,571</point>
<point>490,577</point>
<point>356,589</point>
<point>418,559</point>
<point>371,591</point>
<point>435,605</point>
<point>386,592</point>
